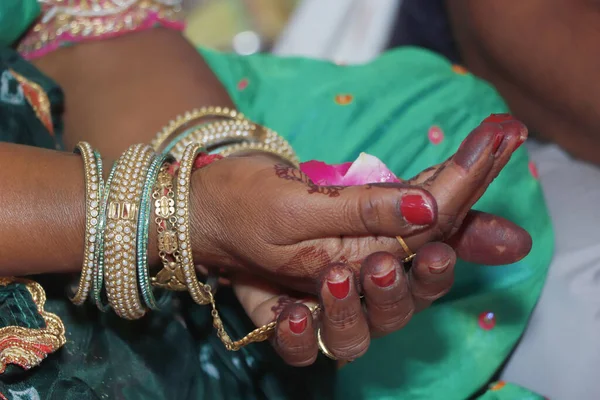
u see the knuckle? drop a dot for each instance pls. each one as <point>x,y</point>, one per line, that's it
<point>351,348</point>
<point>344,318</point>
<point>370,211</point>
<point>394,322</point>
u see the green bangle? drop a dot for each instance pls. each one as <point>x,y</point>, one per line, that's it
<point>142,230</point>
<point>98,280</point>
<point>181,136</point>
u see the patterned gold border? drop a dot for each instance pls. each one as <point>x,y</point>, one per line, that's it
<point>27,347</point>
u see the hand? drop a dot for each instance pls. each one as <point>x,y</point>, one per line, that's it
<point>251,215</point>
<point>391,295</point>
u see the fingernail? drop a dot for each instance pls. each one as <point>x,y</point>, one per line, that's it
<point>520,142</point>
<point>385,280</point>
<point>497,118</point>
<point>416,210</point>
<point>439,269</point>
<point>497,141</point>
<point>298,326</point>
<point>340,289</point>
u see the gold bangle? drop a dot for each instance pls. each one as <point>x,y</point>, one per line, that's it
<point>215,135</point>
<point>93,196</point>
<point>171,276</point>
<point>120,272</point>
<point>182,120</point>
<point>409,254</point>
<point>279,148</point>
<point>196,289</point>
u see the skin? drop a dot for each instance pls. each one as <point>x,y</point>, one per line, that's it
<point>541,57</point>
<point>265,225</point>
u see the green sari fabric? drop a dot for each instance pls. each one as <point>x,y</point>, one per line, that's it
<point>410,108</point>
<point>15,17</point>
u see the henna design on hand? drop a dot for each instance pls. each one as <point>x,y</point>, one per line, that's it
<point>292,174</point>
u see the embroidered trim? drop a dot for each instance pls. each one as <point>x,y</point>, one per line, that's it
<point>37,99</point>
<point>27,347</point>
<point>68,21</point>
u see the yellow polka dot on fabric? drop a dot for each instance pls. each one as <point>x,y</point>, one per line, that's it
<point>344,99</point>
<point>459,69</point>
<point>497,386</point>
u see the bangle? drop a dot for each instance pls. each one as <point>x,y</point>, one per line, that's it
<point>196,289</point>
<point>121,231</point>
<point>279,147</point>
<point>192,116</point>
<point>93,195</point>
<point>212,135</point>
<point>63,23</point>
<point>98,282</point>
<point>171,276</point>
<point>142,230</point>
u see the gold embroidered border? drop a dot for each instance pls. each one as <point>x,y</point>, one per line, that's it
<point>27,347</point>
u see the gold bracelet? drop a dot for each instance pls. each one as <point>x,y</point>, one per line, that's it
<point>171,276</point>
<point>120,272</point>
<point>280,148</point>
<point>191,116</point>
<point>214,135</point>
<point>93,195</point>
<point>196,289</point>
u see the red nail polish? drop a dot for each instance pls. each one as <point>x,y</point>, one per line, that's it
<point>440,269</point>
<point>520,142</point>
<point>497,118</point>
<point>497,141</point>
<point>339,289</point>
<point>416,210</point>
<point>298,326</point>
<point>386,280</point>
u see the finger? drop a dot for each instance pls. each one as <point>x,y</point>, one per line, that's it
<point>432,273</point>
<point>490,240</point>
<point>373,210</point>
<point>388,299</point>
<point>454,184</point>
<point>515,134</point>
<point>344,327</point>
<point>295,339</point>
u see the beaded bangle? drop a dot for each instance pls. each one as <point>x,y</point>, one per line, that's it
<point>181,121</point>
<point>199,295</point>
<point>93,194</point>
<point>99,270</point>
<point>212,135</point>
<point>280,148</point>
<point>121,254</point>
<point>142,230</point>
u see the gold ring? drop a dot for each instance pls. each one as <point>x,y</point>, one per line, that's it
<point>409,254</point>
<point>322,346</point>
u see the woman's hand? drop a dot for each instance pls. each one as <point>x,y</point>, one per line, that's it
<point>391,297</point>
<point>251,215</point>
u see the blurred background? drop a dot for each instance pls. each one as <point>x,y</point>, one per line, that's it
<point>344,31</point>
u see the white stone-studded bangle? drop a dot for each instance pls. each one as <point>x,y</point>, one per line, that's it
<point>120,273</point>
<point>93,194</point>
<point>199,295</point>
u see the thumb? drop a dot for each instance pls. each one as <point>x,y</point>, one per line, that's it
<point>370,210</point>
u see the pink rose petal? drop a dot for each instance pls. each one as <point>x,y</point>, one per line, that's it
<point>366,169</point>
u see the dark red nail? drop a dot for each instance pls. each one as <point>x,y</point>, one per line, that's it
<point>298,326</point>
<point>497,141</point>
<point>497,118</point>
<point>339,289</point>
<point>385,280</point>
<point>416,210</point>
<point>520,142</point>
<point>438,269</point>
